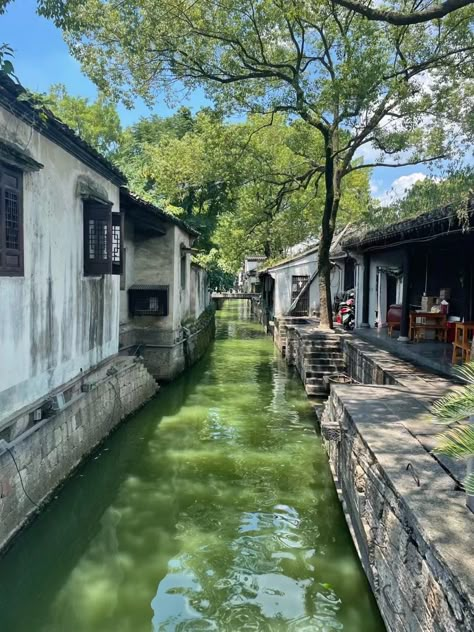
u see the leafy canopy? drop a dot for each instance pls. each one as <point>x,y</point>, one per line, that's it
<point>227,179</point>
<point>98,122</point>
<point>357,82</point>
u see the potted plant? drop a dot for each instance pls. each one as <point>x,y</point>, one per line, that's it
<point>458,441</point>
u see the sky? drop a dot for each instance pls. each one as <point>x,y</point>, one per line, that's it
<point>41,58</point>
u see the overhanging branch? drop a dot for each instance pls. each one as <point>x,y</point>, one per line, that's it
<point>399,18</point>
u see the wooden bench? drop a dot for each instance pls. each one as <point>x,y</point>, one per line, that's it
<point>462,344</point>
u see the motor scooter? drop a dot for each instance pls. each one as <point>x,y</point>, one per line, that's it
<point>346,313</point>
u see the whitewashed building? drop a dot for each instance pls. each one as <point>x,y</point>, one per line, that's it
<point>63,386</point>
<point>165,303</point>
<point>248,277</point>
<point>60,297</point>
<point>296,279</point>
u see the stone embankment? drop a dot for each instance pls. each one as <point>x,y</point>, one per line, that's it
<point>405,508</point>
<point>35,458</point>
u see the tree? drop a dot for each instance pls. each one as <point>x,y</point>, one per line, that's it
<point>453,189</point>
<point>227,178</point>
<point>98,123</point>
<point>407,14</point>
<point>356,82</point>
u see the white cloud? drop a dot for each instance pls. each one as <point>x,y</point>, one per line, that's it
<point>400,187</point>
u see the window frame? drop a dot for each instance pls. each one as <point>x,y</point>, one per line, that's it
<point>9,270</point>
<point>152,292</point>
<point>97,211</point>
<point>118,221</point>
<point>183,271</point>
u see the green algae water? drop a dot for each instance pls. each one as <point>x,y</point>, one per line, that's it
<point>213,508</point>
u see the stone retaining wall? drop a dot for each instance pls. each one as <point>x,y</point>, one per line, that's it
<point>410,522</point>
<point>50,450</point>
<point>167,361</point>
<point>405,508</point>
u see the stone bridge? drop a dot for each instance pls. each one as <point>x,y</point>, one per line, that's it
<point>220,297</point>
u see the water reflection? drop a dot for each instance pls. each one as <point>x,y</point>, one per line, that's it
<point>213,509</point>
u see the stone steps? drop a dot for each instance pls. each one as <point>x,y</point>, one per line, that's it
<point>328,346</point>
<point>320,373</point>
<point>322,357</point>
<point>322,362</point>
<point>317,390</point>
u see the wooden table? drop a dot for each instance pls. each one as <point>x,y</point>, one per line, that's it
<point>462,344</point>
<point>421,322</point>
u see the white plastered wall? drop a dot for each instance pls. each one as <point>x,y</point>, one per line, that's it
<point>54,322</point>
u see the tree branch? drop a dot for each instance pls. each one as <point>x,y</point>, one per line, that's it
<point>399,18</point>
<point>395,165</point>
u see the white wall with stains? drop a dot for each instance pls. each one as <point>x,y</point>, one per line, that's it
<point>54,321</point>
<point>304,265</point>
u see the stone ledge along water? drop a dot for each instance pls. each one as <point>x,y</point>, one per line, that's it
<point>213,508</point>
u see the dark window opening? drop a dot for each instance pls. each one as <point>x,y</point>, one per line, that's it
<point>349,274</point>
<point>11,223</point>
<point>148,300</point>
<point>183,272</point>
<point>103,239</point>
<point>297,284</point>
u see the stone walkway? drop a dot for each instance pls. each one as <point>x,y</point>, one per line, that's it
<point>393,438</point>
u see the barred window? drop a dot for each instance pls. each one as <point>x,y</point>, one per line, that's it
<point>11,223</point>
<point>148,300</point>
<point>103,238</point>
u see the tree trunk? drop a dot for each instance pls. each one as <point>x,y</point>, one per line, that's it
<point>331,204</point>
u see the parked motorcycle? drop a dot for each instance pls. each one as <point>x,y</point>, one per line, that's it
<point>346,313</point>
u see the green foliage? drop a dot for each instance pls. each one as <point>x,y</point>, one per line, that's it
<point>98,122</point>
<point>6,55</point>
<point>226,180</point>
<point>458,442</point>
<point>454,189</point>
<point>217,277</point>
<point>354,81</point>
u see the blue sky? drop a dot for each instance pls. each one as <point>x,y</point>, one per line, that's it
<point>41,58</point>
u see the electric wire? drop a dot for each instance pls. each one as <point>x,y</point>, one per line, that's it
<point>33,502</point>
<point>21,478</point>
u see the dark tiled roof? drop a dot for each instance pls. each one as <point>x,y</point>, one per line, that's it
<point>16,99</point>
<point>127,198</point>
<point>436,222</point>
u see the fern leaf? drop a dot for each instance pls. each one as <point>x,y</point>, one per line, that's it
<point>455,406</point>
<point>469,484</point>
<point>457,443</point>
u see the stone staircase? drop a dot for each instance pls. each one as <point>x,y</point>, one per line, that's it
<point>320,355</point>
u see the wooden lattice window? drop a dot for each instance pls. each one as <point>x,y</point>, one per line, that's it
<point>11,223</point>
<point>148,300</point>
<point>117,243</point>
<point>103,239</point>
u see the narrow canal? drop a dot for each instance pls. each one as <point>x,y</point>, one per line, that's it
<point>212,509</point>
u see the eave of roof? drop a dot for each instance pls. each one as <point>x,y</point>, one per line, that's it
<point>47,124</point>
<point>288,260</point>
<point>431,224</point>
<point>127,198</point>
